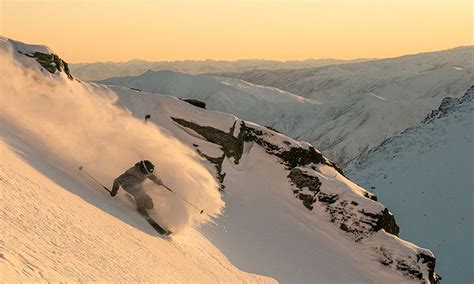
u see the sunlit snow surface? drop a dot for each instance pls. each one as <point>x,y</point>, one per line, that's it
<point>343,110</point>
<point>264,229</point>
<point>61,226</point>
<point>56,225</point>
<point>355,120</point>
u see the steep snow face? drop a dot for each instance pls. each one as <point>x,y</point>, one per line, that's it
<point>56,224</point>
<point>277,186</point>
<point>267,106</point>
<point>366,103</point>
<point>57,228</point>
<point>286,112</point>
<point>425,176</point>
<point>288,208</point>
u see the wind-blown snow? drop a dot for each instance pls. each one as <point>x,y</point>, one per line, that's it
<point>425,176</point>
<point>78,124</point>
<point>59,226</point>
<point>55,230</point>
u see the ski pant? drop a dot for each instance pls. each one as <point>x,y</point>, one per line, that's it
<point>144,201</point>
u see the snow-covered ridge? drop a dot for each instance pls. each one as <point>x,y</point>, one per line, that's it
<point>450,105</point>
<point>347,206</point>
<point>284,111</point>
<point>330,200</point>
<point>343,110</point>
<point>203,87</point>
<point>387,78</point>
<point>273,184</point>
<point>425,176</point>
<point>365,103</point>
<point>447,107</point>
<point>42,54</point>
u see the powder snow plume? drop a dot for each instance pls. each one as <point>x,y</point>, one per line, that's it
<point>77,123</point>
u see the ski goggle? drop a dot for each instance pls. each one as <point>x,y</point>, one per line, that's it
<point>148,170</point>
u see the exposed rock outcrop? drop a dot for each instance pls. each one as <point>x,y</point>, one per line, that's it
<point>51,62</point>
<point>194,102</point>
<point>351,214</point>
<point>449,105</point>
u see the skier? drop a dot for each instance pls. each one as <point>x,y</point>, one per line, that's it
<point>132,182</point>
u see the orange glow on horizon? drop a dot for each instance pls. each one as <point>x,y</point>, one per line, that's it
<point>88,31</point>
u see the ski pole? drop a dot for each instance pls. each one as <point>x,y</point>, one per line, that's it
<point>194,206</point>
<point>81,168</point>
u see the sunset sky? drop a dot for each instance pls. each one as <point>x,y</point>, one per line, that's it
<point>88,31</point>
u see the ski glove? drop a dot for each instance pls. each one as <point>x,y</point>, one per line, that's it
<point>116,185</point>
<point>113,193</point>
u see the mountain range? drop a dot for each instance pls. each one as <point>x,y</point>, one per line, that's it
<point>103,70</point>
<point>343,110</point>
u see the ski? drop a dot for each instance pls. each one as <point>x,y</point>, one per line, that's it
<point>144,213</point>
<point>154,224</point>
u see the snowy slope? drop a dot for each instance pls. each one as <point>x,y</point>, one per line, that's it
<point>348,109</point>
<point>423,75</point>
<point>56,224</point>
<point>425,176</point>
<point>103,70</point>
<point>278,190</point>
<point>221,93</point>
<point>369,102</point>
<point>57,229</point>
<point>289,212</point>
<point>267,106</point>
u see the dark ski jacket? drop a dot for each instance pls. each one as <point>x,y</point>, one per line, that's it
<point>132,181</point>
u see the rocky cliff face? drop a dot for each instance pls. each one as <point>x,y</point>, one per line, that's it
<point>51,62</point>
<point>449,105</point>
<point>351,213</point>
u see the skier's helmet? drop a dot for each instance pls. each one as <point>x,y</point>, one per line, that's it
<point>146,167</point>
